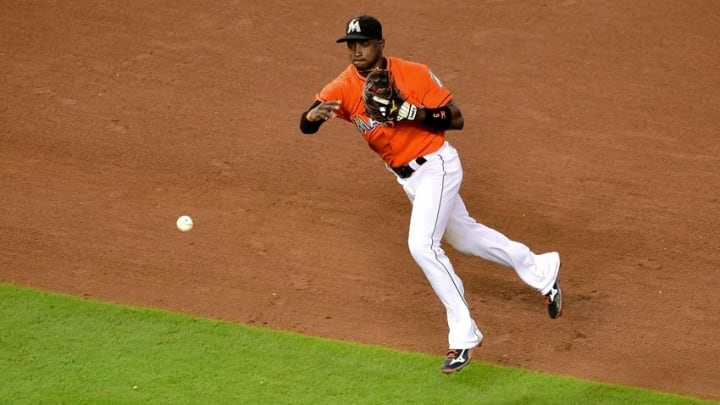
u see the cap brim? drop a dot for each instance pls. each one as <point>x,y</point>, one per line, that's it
<point>354,37</point>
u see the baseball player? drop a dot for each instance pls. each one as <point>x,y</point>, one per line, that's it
<point>402,110</point>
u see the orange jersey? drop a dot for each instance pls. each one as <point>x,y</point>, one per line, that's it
<point>397,144</point>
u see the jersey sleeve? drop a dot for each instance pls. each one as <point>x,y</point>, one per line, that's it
<point>435,93</point>
<point>334,91</point>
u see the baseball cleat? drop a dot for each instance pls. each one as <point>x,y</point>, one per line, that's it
<point>553,300</point>
<point>457,359</point>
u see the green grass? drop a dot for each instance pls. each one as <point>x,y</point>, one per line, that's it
<point>66,350</point>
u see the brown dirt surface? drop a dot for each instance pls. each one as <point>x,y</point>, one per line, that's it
<point>591,129</point>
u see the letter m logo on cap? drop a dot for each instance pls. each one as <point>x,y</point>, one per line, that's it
<point>354,26</point>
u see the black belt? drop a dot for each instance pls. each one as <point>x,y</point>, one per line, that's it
<point>406,171</point>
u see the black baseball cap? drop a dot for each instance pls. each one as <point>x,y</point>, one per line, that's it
<point>362,28</point>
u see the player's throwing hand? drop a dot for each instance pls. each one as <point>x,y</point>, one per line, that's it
<point>324,111</point>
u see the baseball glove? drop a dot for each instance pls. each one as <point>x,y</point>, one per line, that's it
<point>383,101</point>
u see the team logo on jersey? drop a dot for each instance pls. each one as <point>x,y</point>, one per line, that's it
<point>354,26</point>
<point>364,124</point>
<point>436,79</point>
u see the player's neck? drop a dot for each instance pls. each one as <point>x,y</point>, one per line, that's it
<point>382,64</point>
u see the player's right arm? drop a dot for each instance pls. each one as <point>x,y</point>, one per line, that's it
<point>318,113</point>
<point>327,103</point>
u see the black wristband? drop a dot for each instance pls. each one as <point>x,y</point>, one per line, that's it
<point>307,126</point>
<point>438,118</point>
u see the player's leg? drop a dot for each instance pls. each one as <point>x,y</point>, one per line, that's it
<point>434,192</point>
<point>470,237</point>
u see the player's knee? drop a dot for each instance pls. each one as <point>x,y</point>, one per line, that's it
<point>420,248</point>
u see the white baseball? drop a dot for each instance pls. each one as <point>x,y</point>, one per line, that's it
<point>184,223</point>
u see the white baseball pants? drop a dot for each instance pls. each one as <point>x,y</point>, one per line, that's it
<point>438,211</point>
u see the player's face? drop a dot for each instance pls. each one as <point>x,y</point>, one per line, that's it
<point>366,55</point>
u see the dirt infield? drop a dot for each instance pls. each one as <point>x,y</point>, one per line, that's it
<point>591,127</point>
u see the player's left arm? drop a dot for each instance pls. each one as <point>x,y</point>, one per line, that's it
<point>437,110</point>
<point>443,118</point>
